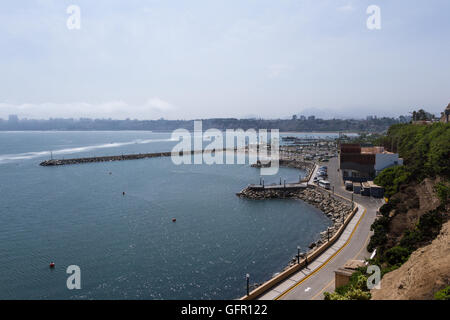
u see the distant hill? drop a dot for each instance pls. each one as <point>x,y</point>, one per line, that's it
<point>345,125</point>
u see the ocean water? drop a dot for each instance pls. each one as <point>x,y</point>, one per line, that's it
<point>127,247</point>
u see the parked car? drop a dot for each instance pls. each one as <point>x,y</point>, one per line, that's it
<point>348,185</point>
<point>324,184</point>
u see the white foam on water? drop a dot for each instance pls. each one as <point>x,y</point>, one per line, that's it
<point>38,154</point>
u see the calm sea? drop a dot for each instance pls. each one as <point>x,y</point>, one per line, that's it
<point>127,247</point>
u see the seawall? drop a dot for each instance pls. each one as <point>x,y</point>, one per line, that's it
<point>62,162</point>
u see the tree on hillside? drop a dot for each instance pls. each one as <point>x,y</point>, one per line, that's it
<point>421,115</point>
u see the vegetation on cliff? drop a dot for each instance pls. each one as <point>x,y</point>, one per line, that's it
<point>426,153</point>
<point>425,150</point>
<point>443,294</point>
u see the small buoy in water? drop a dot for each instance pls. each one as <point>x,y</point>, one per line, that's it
<point>123,193</point>
<point>52,264</point>
<point>174,220</point>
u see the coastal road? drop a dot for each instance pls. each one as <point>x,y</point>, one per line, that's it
<point>322,278</point>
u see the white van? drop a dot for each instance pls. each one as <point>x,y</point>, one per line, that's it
<point>325,184</point>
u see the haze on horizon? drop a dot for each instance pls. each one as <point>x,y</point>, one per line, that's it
<point>226,58</point>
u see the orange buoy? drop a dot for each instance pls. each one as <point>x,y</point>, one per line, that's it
<point>174,220</point>
<point>52,264</point>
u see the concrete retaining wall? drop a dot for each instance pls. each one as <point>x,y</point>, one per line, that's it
<point>312,256</point>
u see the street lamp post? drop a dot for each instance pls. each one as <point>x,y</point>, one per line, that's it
<point>352,200</point>
<point>247,276</point>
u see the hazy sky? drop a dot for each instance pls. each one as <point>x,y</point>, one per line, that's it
<point>185,59</point>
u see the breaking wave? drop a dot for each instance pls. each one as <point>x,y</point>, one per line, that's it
<point>38,154</point>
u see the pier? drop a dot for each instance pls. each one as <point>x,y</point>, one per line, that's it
<point>286,186</point>
<point>62,162</point>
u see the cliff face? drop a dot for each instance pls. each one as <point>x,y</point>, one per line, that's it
<point>415,200</point>
<point>427,269</point>
<point>412,234</point>
<point>426,272</point>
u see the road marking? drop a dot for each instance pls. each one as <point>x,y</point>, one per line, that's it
<point>307,289</point>
<point>363,247</point>
<point>326,262</point>
<point>324,288</point>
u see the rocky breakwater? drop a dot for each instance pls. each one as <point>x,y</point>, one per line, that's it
<point>334,208</point>
<point>289,163</point>
<point>62,162</point>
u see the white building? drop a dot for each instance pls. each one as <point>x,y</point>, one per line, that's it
<point>361,164</point>
<point>386,160</point>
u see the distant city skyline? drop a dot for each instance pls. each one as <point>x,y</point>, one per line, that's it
<point>16,118</point>
<point>223,59</point>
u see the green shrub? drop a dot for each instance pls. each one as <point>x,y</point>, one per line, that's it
<point>386,208</point>
<point>396,255</point>
<point>443,294</point>
<point>443,192</point>
<point>380,228</point>
<point>391,178</point>
<point>410,239</point>
<point>430,224</point>
<point>355,289</point>
<point>358,294</point>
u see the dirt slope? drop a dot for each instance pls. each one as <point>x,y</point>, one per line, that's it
<point>426,271</point>
<point>415,200</point>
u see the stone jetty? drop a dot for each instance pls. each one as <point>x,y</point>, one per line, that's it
<point>333,207</point>
<point>62,162</point>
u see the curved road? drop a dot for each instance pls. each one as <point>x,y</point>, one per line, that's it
<point>322,279</point>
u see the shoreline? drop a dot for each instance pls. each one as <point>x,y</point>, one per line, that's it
<point>334,207</point>
<point>336,210</point>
